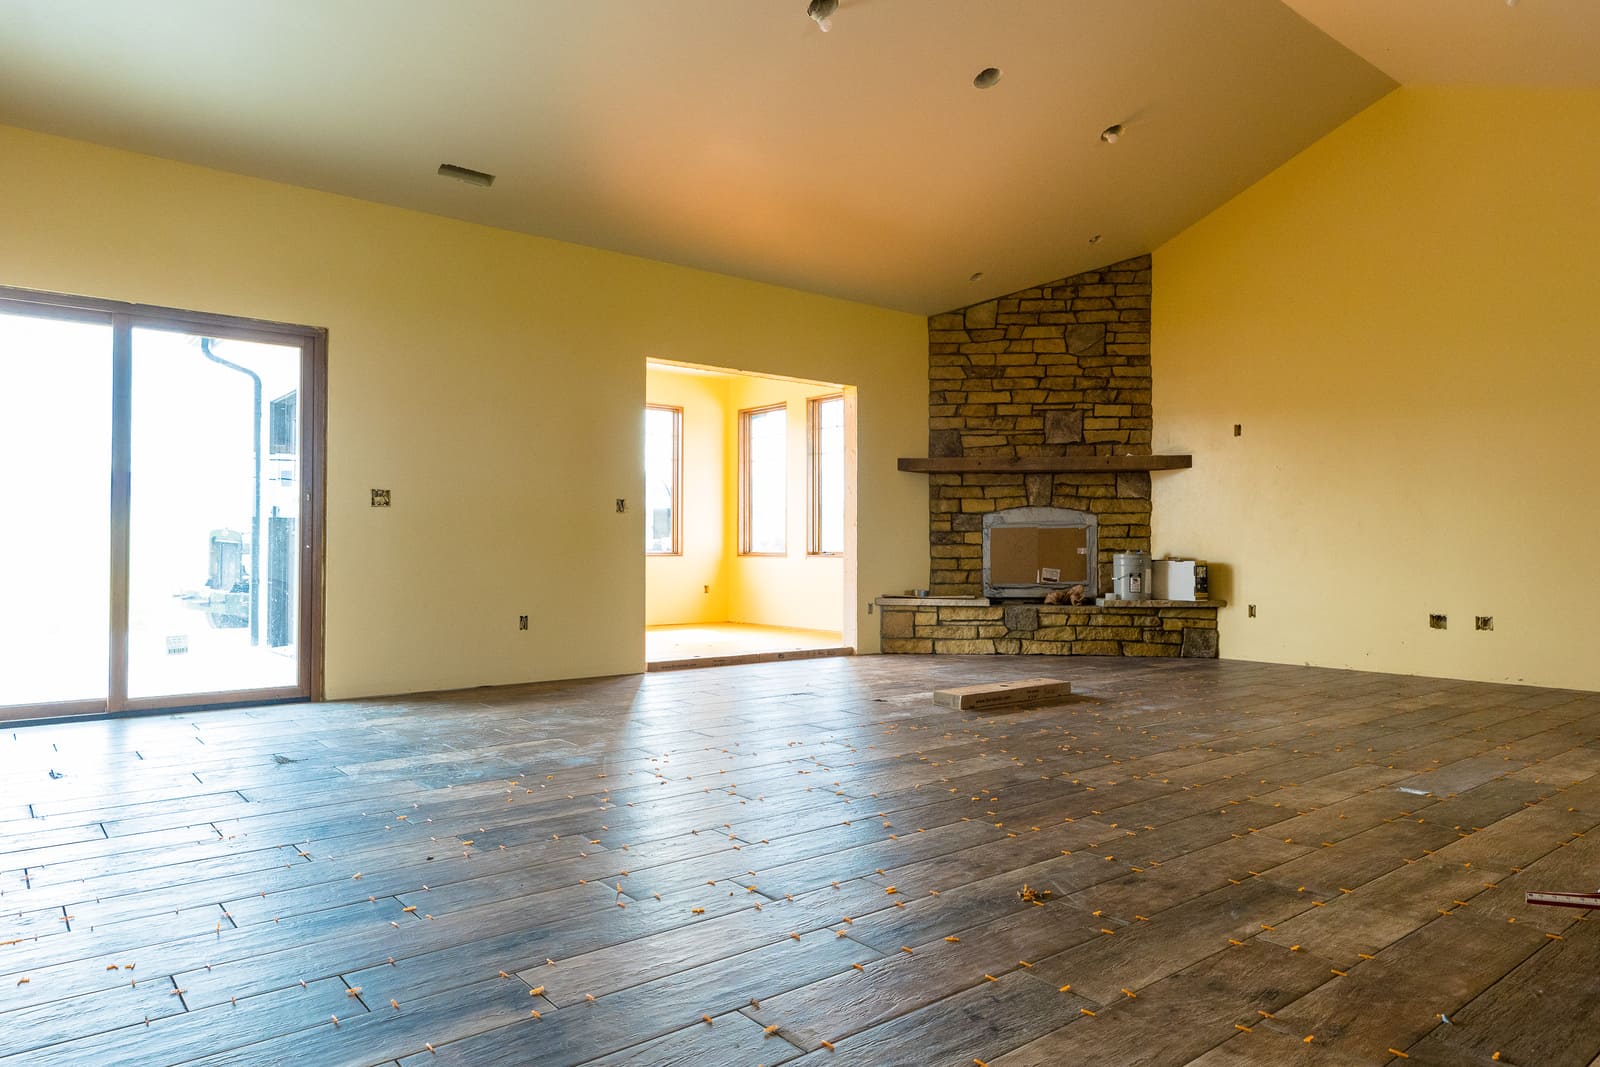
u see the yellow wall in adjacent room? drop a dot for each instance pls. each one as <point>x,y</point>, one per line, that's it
<point>676,586</point>
<point>794,589</point>
<point>1405,322</point>
<point>492,380</point>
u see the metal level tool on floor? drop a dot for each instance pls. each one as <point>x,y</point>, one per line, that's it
<point>1587,901</point>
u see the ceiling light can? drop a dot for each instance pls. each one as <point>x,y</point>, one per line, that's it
<point>821,12</point>
<point>1112,134</point>
<point>987,78</point>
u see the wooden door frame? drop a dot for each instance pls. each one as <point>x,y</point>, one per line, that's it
<point>312,549</point>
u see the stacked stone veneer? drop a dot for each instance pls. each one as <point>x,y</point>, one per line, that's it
<point>1060,369</point>
<point>1148,628</point>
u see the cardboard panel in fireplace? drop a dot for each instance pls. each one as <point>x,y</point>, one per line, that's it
<point>1018,553</point>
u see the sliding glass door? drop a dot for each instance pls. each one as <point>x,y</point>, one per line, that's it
<point>160,546</point>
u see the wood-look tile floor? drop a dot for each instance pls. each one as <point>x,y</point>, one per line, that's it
<point>810,863</point>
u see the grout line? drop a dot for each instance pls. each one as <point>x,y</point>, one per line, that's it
<point>358,997</point>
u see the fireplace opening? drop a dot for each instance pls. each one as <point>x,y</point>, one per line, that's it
<point>1027,552</point>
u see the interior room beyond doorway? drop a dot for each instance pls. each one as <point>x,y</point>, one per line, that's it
<point>747,531</point>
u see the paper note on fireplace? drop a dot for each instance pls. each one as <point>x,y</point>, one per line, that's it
<point>1020,555</point>
<point>1049,575</point>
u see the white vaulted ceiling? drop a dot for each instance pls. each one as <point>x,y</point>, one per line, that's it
<point>729,135</point>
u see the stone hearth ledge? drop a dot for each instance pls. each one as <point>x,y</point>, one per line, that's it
<point>973,626</point>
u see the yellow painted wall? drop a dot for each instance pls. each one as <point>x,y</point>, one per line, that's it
<point>793,589</point>
<point>492,380</point>
<point>675,585</point>
<point>1405,321</point>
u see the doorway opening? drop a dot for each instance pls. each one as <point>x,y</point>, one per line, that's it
<point>749,516</point>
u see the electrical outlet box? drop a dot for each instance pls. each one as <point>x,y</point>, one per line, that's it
<point>1483,622</point>
<point>1252,611</point>
<point>622,505</point>
<point>1439,622</point>
<point>522,622</point>
<point>380,498</point>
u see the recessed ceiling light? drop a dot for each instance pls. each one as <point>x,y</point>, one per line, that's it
<point>976,276</point>
<point>821,12</point>
<point>987,78</point>
<point>1112,134</point>
<point>466,174</point>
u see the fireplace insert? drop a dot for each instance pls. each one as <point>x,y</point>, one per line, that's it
<point>1029,551</point>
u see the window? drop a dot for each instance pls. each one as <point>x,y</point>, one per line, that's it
<point>763,481</point>
<point>284,431</point>
<point>663,464</point>
<point>825,451</point>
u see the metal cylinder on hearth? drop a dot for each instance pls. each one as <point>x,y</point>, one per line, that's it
<point>1131,575</point>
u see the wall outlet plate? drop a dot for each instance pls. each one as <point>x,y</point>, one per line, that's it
<point>380,498</point>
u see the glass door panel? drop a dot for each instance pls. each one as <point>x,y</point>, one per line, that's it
<point>214,516</point>
<point>55,509</point>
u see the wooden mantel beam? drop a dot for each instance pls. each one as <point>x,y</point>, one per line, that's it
<point>1043,464</point>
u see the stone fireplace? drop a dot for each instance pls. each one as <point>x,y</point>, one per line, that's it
<point>1039,403</point>
<point>1062,369</point>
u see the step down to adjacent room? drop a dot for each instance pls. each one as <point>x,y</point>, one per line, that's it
<point>734,659</point>
<point>1002,694</point>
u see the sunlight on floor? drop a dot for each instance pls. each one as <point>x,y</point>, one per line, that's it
<point>730,639</point>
